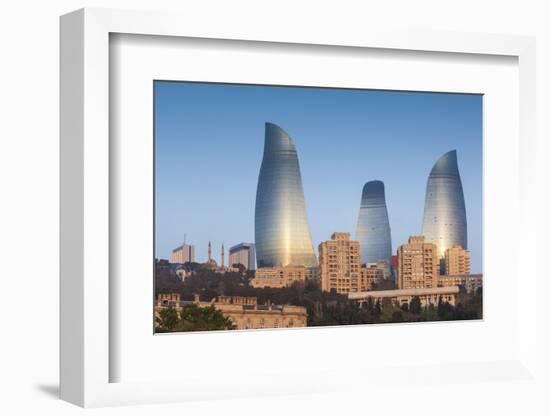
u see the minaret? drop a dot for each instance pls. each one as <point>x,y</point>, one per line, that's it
<point>222,255</point>
<point>209,251</point>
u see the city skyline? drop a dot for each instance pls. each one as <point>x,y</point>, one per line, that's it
<point>330,171</point>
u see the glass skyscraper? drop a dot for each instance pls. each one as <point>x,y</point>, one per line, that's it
<point>444,210</point>
<point>373,225</point>
<point>281,228</point>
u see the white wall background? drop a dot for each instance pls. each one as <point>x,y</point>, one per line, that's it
<point>29,197</point>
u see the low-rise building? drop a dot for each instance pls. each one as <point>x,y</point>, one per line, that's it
<point>471,282</point>
<point>370,275</point>
<point>427,296</point>
<point>278,277</point>
<point>244,312</point>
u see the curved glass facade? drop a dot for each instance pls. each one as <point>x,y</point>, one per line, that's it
<point>373,226</point>
<point>444,210</point>
<point>281,228</point>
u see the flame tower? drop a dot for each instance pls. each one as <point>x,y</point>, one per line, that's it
<point>444,209</point>
<point>282,231</point>
<point>373,225</point>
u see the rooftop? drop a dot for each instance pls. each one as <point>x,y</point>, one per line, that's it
<point>403,292</point>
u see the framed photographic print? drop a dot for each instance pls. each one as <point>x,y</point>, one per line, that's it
<point>302,205</point>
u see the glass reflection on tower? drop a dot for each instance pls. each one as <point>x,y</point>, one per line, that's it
<point>444,210</point>
<point>373,225</point>
<point>282,231</point>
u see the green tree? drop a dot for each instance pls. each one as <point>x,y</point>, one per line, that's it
<point>388,308</point>
<point>429,313</point>
<point>195,318</point>
<point>377,309</point>
<point>384,284</point>
<point>397,316</point>
<point>167,320</point>
<point>415,306</point>
<point>445,311</point>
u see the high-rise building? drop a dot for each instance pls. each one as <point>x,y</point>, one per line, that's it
<point>417,264</point>
<point>281,228</point>
<point>457,261</point>
<point>243,253</point>
<point>340,264</point>
<point>373,226</point>
<point>183,254</point>
<point>444,210</point>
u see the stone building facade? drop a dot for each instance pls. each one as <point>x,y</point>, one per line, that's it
<point>471,282</point>
<point>278,277</point>
<point>399,297</point>
<point>244,312</point>
<point>457,261</point>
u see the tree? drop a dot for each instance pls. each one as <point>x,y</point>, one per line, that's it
<point>416,305</point>
<point>429,313</point>
<point>239,266</point>
<point>166,280</point>
<point>397,316</point>
<point>195,318</point>
<point>167,319</point>
<point>388,309</point>
<point>384,284</point>
<point>445,311</point>
<point>377,309</point>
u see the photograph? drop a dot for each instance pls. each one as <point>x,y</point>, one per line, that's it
<point>290,206</point>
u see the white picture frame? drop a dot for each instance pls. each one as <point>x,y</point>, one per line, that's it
<point>86,166</point>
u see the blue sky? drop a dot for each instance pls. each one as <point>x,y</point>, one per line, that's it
<point>209,142</point>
